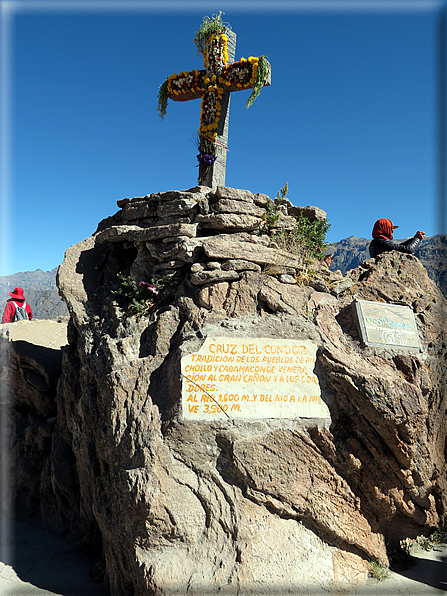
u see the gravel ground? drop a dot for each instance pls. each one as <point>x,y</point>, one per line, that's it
<point>46,565</point>
<point>426,577</point>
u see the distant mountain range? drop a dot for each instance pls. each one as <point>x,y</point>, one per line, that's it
<point>43,296</point>
<point>432,253</point>
<point>40,292</point>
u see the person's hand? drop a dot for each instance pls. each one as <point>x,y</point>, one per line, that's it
<point>420,235</point>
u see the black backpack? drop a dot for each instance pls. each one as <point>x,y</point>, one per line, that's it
<point>20,314</point>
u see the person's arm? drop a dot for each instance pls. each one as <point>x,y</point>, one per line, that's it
<point>8,314</point>
<point>29,311</point>
<point>380,245</point>
<point>409,245</point>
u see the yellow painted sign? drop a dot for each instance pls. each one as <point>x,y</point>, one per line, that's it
<point>251,378</point>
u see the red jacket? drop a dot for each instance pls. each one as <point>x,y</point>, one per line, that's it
<point>10,310</point>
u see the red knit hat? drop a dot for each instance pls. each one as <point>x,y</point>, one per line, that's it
<point>17,294</point>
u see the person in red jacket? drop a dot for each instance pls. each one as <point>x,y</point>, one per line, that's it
<point>13,308</point>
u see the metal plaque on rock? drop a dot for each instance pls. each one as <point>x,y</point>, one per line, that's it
<point>251,378</point>
<point>388,325</point>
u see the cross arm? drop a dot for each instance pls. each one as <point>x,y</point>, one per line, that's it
<point>186,85</point>
<point>234,77</point>
<point>244,75</point>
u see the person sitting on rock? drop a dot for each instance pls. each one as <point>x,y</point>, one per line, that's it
<point>327,276</point>
<point>328,256</point>
<point>16,308</point>
<point>383,239</point>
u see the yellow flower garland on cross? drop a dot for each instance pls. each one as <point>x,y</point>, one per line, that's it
<point>240,75</point>
<point>216,78</point>
<point>217,50</point>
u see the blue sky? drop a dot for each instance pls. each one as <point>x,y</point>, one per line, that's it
<point>350,121</point>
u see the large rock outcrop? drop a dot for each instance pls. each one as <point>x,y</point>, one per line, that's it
<point>30,368</point>
<point>240,506</point>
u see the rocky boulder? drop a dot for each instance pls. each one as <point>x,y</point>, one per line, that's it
<point>30,369</point>
<point>230,505</point>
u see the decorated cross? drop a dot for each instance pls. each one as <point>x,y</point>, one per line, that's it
<point>220,76</point>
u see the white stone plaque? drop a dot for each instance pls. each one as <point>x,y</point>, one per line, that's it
<point>383,324</point>
<point>251,378</point>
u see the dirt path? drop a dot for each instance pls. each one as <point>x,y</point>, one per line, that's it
<point>46,565</point>
<point>427,577</point>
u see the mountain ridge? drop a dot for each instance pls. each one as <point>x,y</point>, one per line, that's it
<point>432,252</point>
<point>40,292</point>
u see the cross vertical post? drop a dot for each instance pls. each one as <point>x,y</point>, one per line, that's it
<point>220,77</point>
<point>214,175</point>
